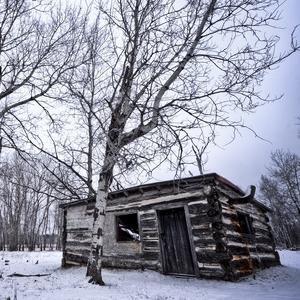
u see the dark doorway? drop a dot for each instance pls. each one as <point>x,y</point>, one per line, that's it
<point>175,244</point>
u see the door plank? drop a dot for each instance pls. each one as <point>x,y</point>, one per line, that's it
<point>175,242</point>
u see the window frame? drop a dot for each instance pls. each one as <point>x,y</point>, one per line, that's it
<point>247,220</point>
<point>117,230</point>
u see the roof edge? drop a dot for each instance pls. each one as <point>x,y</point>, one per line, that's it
<point>212,176</point>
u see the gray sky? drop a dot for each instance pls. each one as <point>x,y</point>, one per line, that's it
<point>245,159</point>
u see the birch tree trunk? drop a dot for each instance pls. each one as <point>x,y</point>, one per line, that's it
<point>95,259</point>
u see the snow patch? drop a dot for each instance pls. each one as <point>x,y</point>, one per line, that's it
<point>282,282</point>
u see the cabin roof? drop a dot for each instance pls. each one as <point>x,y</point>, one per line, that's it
<point>201,179</point>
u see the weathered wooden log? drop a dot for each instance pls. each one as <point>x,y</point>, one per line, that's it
<point>148,223</point>
<point>148,216</point>
<point>79,229</point>
<point>27,275</point>
<point>78,243</point>
<point>80,252</point>
<point>77,258</point>
<point>151,244</point>
<point>198,208</point>
<point>244,199</point>
<point>240,239</point>
<point>151,255</point>
<point>212,257</point>
<point>264,249</point>
<point>196,220</point>
<point>243,264</point>
<point>204,242</point>
<point>197,232</point>
<point>238,250</point>
<point>149,235</point>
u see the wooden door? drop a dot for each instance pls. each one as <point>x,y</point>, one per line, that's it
<point>175,244</point>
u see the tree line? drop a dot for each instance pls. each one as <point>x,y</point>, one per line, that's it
<point>29,215</point>
<point>280,188</point>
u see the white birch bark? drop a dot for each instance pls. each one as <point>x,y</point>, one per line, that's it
<point>95,259</point>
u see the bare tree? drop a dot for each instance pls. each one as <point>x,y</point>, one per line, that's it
<point>38,44</point>
<point>169,73</point>
<point>281,189</point>
<point>28,196</point>
<point>201,155</point>
<point>67,107</point>
<point>285,170</point>
<point>82,92</point>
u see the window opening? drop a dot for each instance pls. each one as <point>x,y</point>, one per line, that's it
<point>127,228</point>
<point>245,222</point>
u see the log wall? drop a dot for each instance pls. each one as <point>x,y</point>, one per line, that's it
<point>78,225</point>
<point>77,242</point>
<point>208,261</point>
<point>248,252</point>
<point>150,239</point>
<point>219,250</point>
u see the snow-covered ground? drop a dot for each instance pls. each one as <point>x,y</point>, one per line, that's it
<point>276,283</point>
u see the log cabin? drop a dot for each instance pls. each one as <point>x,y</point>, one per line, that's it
<point>202,226</point>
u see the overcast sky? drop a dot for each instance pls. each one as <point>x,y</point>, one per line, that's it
<point>247,157</point>
<point>244,160</point>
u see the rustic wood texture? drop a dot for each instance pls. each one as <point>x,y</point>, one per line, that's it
<point>249,251</point>
<point>175,245</point>
<point>64,238</point>
<point>150,239</point>
<point>218,248</point>
<point>78,234</point>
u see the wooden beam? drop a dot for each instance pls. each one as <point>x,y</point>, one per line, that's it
<point>244,199</point>
<point>191,239</point>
